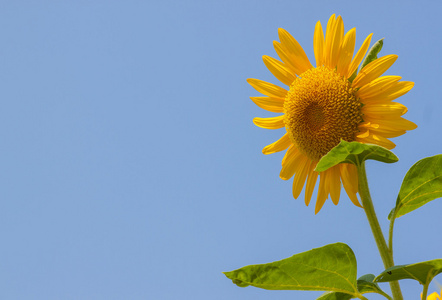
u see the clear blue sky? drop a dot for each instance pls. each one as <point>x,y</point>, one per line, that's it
<point>131,168</point>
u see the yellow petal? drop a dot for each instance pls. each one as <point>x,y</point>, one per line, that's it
<point>377,140</point>
<point>335,184</point>
<point>378,129</point>
<point>270,123</point>
<point>318,45</point>
<point>363,133</point>
<point>290,152</point>
<point>368,125</point>
<point>294,51</point>
<point>322,192</point>
<point>290,163</point>
<point>279,70</point>
<point>391,109</point>
<point>353,174</point>
<point>329,34</point>
<point>267,88</point>
<point>350,185</point>
<point>359,55</point>
<point>377,86</point>
<point>346,53</point>
<point>393,91</point>
<point>374,69</point>
<point>268,103</point>
<point>301,176</point>
<point>284,57</point>
<point>311,182</point>
<point>388,133</point>
<point>280,145</point>
<point>393,123</point>
<point>336,42</point>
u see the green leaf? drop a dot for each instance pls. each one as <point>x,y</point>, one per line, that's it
<point>422,184</point>
<point>334,296</point>
<point>423,272</point>
<point>373,53</point>
<point>366,285</point>
<point>354,153</point>
<point>329,268</point>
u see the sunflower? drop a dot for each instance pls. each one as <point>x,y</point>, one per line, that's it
<point>326,104</point>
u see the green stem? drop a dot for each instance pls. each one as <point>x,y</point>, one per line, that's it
<point>390,234</point>
<point>425,291</point>
<point>367,203</point>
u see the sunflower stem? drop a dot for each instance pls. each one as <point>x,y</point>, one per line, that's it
<point>385,253</point>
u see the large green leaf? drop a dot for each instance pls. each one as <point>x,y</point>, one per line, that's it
<point>373,53</point>
<point>329,268</point>
<point>366,285</point>
<point>423,272</point>
<point>422,184</point>
<point>355,153</point>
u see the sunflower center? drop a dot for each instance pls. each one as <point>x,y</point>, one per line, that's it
<point>321,109</point>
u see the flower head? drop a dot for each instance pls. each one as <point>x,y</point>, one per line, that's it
<point>326,104</point>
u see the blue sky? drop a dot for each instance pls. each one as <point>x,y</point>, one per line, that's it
<point>131,168</point>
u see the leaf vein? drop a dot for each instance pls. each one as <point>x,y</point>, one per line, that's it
<point>413,190</point>
<point>419,196</point>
